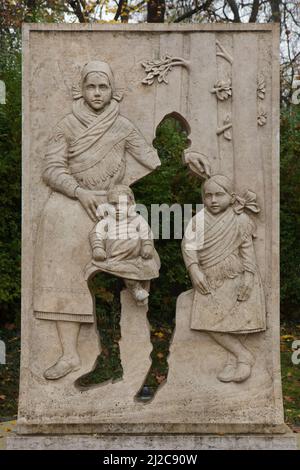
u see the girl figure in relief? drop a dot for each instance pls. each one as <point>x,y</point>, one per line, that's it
<point>219,254</point>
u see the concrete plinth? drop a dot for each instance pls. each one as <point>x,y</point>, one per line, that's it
<point>286,441</point>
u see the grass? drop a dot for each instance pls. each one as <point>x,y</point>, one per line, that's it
<point>9,373</point>
<point>160,337</point>
<point>290,374</point>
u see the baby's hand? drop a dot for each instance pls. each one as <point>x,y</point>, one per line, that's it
<point>99,254</point>
<point>246,287</point>
<point>147,251</point>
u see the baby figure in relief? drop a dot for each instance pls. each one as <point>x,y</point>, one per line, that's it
<point>122,244</point>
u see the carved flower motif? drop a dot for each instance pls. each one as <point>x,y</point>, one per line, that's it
<point>261,87</point>
<point>262,118</point>
<point>222,89</point>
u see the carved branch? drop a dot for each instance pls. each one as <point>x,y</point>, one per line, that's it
<point>160,68</point>
<point>223,53</point>
<point>226,128</point>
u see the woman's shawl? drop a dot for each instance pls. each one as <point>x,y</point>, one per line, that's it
<point>101,135</point>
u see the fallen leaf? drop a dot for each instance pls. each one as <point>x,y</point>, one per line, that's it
<point>160,355</point>
<point>289,399</point>
<point>287,337</point>
<point>159,334</point>
<point>2,397</point>
<point>160,378</point>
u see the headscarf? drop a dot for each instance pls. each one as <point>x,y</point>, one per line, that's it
<point>99,67</point>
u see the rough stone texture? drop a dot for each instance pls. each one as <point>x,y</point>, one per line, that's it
<point>192,400</point>
<point>158,442</point>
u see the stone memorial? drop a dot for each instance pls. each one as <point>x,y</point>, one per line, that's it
<point>93,98</point>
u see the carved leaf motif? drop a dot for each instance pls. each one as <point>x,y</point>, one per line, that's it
<point>160,68</point>
<point>227,134</point>
<point>262,118</point>
<point>261,87</point>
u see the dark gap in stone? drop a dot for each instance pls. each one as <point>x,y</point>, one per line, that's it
<point>106,290</point>
<point>169,184</point>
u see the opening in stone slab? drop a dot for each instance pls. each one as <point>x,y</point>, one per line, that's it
<point>171,184</point>
<point>106,290</point>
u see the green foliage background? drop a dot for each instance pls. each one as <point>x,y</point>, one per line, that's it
<point>10,185</point>
<point>290,212</point>
<point>170,184</point>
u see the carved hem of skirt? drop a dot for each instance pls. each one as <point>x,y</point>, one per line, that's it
<point>64,317</point>
<point>237,332</point>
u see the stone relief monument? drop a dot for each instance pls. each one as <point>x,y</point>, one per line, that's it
<point>90,116</point>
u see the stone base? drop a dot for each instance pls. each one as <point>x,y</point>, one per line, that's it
<point>286,441</point>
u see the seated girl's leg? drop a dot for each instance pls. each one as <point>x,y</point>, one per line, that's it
<point>139,294</point>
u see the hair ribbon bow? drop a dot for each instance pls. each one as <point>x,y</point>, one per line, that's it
<point>248,201</point>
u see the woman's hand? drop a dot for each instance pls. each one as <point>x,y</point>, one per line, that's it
<point>198,163</point>
<point>199,280</point>
<point>147,251</point>
<point>89,202</point>
<point>99,254</point>
<point>246,287</point>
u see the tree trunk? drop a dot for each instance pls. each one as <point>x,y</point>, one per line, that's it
<point>275,7</point>
<point>156,11</point>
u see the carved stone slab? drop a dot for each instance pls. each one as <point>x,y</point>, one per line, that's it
<point>214,88</point>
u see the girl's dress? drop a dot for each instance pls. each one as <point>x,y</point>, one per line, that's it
<point>222,246</point>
